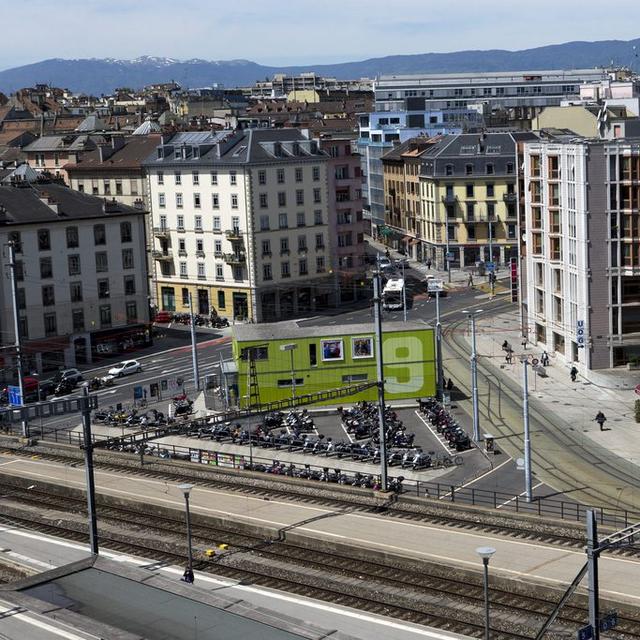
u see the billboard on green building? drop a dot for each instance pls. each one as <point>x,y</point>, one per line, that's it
<point>319,359</point>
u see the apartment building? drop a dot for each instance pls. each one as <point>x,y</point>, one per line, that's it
<point>583,249</point>
<point>240,223</point>
<point>468,187</point>
<point>82,290</point>
<point>346,224</point>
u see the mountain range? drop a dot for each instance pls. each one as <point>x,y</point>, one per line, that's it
<point>97,76</point>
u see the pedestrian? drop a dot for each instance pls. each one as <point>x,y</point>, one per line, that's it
<point>506,346</point>
<point>428,263</point>
<point>544,359</point>
<point>573,373</point>
<point>450,384</point>
<point>509,357</point>
<point>386,253</point>
<point>600,419</point>
<point>470,280</point>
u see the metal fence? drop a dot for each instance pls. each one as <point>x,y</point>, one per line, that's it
<point>542,506</point>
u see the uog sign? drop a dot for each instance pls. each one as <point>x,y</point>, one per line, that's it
<point>580,333</point>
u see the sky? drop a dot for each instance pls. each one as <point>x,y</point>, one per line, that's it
<point>284,32</point>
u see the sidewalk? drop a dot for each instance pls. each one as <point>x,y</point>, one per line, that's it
<point>574,403</point>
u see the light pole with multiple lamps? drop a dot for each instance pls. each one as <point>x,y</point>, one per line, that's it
<point>485,553</point>
<point>291,347</point>
<point>188,574</point>
<point>474,374</point>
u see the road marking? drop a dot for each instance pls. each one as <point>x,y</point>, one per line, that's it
<point>2,464</point>
<point>502,504</point>
<point>484,475</point>
<point>426,424</point>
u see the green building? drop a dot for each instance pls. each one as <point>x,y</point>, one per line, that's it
<point>326,358</point>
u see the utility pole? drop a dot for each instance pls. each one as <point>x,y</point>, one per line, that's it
<point>88,469</point>
<point>492,281</point>
<point>194,349</point>
<point>377,303</point>
<point>474,375</point>
<point>527,434</point>
<point>16,328</point>
<point>446,258</point>
<point>404,294</point>
<point>439,371</point>
<point>593,552</point>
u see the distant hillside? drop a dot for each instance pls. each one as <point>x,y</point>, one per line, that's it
<point>98,76</point>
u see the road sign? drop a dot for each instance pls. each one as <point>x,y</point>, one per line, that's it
<point>609,621</point>
<point>586,633</point>
<point>449,256</point>
<point>15,397</point>
<point>490,266</point>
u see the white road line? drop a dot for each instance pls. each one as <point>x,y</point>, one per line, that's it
<point>435,435</point>
<point>502,504</point>
<point>484,475</point>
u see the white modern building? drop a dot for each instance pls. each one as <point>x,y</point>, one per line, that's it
<point>240,223</point>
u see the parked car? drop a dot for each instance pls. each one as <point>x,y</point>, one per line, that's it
<point>385,263</point>
<point>72,376</point>
<point>125,368</point>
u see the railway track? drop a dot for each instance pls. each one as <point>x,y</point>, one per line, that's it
<point>428,595</point>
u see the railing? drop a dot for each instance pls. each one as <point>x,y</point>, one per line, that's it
<point>162,255</point>
<point>233,234</point>
<point>509,197</point>
<point>161,231</point>
<point>234,258</point>
<point>449,198</point>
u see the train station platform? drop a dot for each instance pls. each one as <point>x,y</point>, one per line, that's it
<point>524,560</point>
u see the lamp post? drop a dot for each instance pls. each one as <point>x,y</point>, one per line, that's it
<point>291,347</point>
<point>527,435</point>
<point>474,374</point>
<point>485,553</point>
<point>188,574</point>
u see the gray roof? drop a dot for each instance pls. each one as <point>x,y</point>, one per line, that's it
<point>92,123</point>
<point>45,202</point>
<point>148,126</point>
<point>240,147</point>
<point>69,142</point>
<point>290,330</point>
<point>22,172</point>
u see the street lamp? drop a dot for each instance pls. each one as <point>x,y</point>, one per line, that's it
<point>291,347</point>
<point>527,435</point>
<point>474,374</point>
<point>485,553</point>
<point>188,574</point>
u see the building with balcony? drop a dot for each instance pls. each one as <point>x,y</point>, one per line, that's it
<point>240,222</point>
<point>468,188</point>
<point>81,270</point>
<point>583,249</point>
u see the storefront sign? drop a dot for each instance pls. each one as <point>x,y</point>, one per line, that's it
<point>580,333</point>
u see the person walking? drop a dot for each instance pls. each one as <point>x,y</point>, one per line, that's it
<point>450,384</point>
<point>573,373</point>
<point>470,280</point>
<point>600,419</point>
<point>428,263</point>
<point>544,359</point>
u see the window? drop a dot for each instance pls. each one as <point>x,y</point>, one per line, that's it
<point>469,190</point>
<point>103,288</point>
<point>490,190</point>
<point>284,245</point>
<point>105,315</point>
<point>75,290</point>
<point>46,268</point>
<point>490,168</point>
<point>178,177</point>
<point>263,201</point>
<point>201,271</point>
<point>282,221</point>
<point>299,197</point>
<point>72,237</point>
<point>23,326</point>
<point>317,196</point>
<point>319,241</point>
<point>44,240</point>
<point>217,247</point>
<point>195,176</point>
<point>183,270</point>
<point>468,169</point>
<point>129,285</point>
<point>300,221</point>
<point>118,187</point>
<point>262,177</point>
<point>50,324</point>
<point>234,201</point>
<point>302,243</point>
<point>284,270</point>
<point>107,188</point>
<point>77,316</point>
<point>215,201</point>
<point>197,223</point>
<point>316,173</point>
<point>48,296</point>
<point>185,297</point>
<point>219,272</point>
<point>471,231</point>
<point>160,177</point>
<point>470,210</point>
<point>320,264</point>
<point>22,299</point>
<point>162,202</point>
<point>317,216</point>
<point>282,199</point>
<point>182,247</point>
<point>127,258</point>
<point>163,222</point>
<point>510,167</point>
<point>214,177</point>
<point>448,170</point>
<point>132,312</point>
<point>266,272</point>
<point>264,223</point>
<point>280,176</point>
<point>302,266</point>
<point>233,179</point>
<point>491,210</point>
<point>125,232</point>
<point>179,200</point>
<point>298,174</point>
<point>196,200</point>
<point>266,247</point>
<point>102,264</point>
<point>180,222</point>
<point>313,355</point>
<point>221,300</point>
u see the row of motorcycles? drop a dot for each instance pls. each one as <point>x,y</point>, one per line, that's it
<point>199,320</point>
<point>181,406</point>
<point>362,422</point>
<point>445,424</point>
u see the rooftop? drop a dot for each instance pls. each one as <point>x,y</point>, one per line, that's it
<point>134,150</point>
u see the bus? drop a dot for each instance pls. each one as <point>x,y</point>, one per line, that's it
<point>393,294</point>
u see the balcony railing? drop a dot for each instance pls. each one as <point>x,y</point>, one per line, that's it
<point>161,232</point>
<point>449,198</point>
<point>162,255</point>
<point>235,258</point>
<point>233,234</point>
<point>509,197</point>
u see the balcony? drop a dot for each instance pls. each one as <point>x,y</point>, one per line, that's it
<point>450,198</point>
<point>162,256</point>
<point>199,254</point>
<point>234,235</point>
<point>161,232</point>
<point>509,197</point>
<point>235,258</point>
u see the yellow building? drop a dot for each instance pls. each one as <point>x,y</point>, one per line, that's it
<point>468,188</point>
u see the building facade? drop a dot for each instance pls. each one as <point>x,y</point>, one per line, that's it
<point>240,223</point>
<point>81,270</point>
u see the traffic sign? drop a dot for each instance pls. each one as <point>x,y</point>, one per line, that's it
<point>586,633</point>
<point>609,621</point>
<point>490,266</point>
<point>637,389</point>
<point>449,256</point>
<point>15,397</point>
